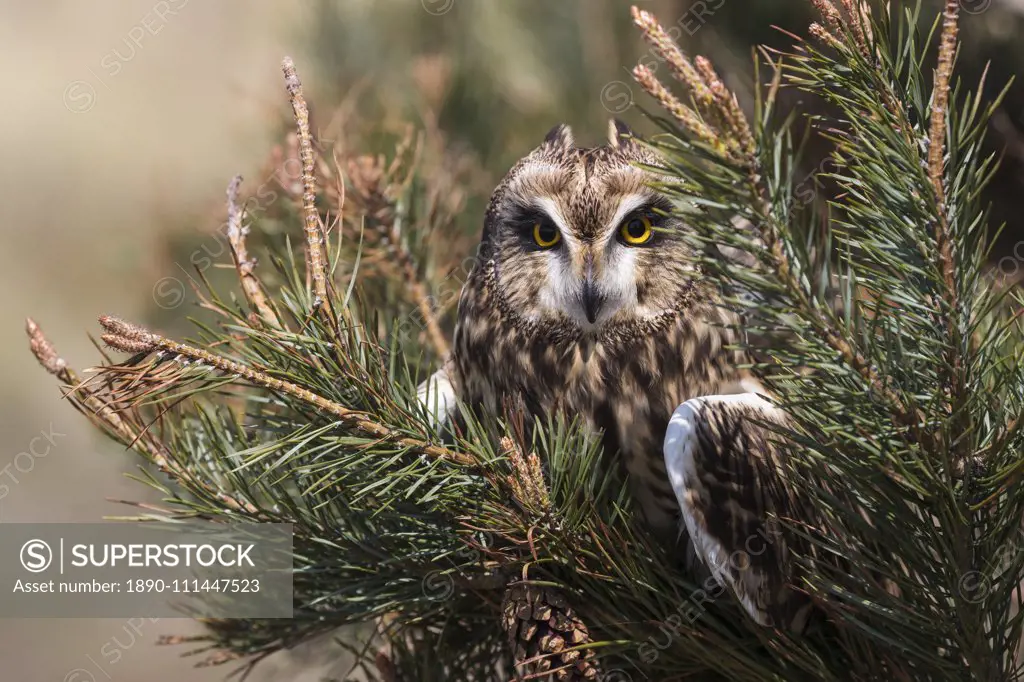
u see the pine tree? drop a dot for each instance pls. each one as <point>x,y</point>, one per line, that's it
<point>501,550</point>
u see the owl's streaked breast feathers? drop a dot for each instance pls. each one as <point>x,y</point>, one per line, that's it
<point>586,299</point>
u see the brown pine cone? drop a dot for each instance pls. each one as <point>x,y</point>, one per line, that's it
<point>543,632</point>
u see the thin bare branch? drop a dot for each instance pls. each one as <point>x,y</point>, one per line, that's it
<point>315,234</point>
<point>251,285</point>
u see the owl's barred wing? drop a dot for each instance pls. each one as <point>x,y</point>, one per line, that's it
<point>437,396</point>
<point>724,464</point>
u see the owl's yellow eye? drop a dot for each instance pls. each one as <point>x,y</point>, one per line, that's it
<point>545,234</point>
<point>637,231</point>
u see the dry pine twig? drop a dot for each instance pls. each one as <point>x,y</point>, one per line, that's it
<point>118,421</point>
<point>251,285</point>
<point>316,259</point>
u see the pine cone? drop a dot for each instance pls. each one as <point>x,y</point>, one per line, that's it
<point>543,632</point>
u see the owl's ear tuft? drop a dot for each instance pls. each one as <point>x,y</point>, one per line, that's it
<point>559,136</point>
<point>619,133</point>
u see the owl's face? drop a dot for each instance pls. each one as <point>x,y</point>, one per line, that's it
<point>580,245</point>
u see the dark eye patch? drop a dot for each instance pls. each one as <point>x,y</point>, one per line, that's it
<point>522,219</point>
<point>518,214</point>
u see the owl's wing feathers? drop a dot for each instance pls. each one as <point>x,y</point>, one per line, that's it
<point>724,464</point>
<point>437,397</point>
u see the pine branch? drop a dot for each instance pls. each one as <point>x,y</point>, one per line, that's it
<point>936,171</point>
<point>730,135</point>
<point>132,338</point>
<point>115,422</point>
<point>372,184</point>
<point>765,222</point>
<point>891,407</point>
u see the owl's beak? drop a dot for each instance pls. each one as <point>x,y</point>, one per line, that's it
<point>590,296</point>
<point>591,301</point>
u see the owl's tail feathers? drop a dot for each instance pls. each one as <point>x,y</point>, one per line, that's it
<point>723,462</point>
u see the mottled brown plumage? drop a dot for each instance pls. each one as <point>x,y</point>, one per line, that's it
<point>567,311</point>
<point>521,332</point>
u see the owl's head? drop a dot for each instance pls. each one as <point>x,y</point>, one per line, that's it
<point>577,243</point>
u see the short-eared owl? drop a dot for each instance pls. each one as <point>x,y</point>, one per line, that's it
<point>584,300</point>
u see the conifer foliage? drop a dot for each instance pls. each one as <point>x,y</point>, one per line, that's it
<point>502,551</point>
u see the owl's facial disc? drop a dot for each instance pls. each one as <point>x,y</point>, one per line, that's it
<point>580,244</point>
<point>592,274</point>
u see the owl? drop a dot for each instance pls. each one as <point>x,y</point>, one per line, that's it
<point>585,299</point>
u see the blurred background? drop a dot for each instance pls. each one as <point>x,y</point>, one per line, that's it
<point>122,123</point>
